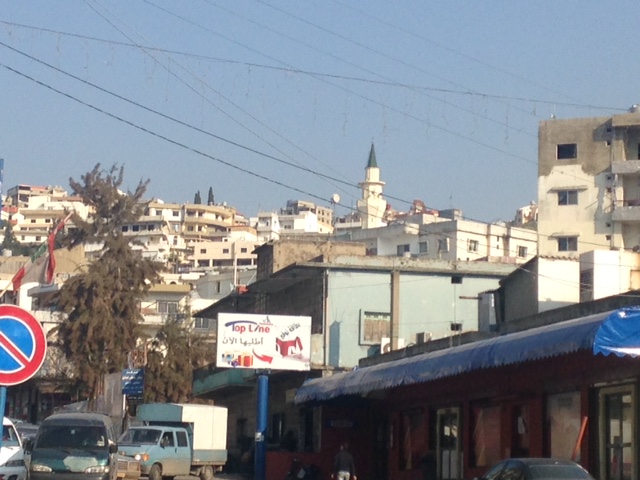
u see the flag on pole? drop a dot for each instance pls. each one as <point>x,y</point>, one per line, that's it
<point>42,264</point>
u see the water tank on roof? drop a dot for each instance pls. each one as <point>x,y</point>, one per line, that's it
<point>635,108</point>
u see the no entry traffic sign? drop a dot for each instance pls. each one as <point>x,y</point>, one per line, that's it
<point>23,345</point>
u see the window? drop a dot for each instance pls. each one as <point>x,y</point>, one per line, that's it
<point>243,250</point>
<point>568,197</point>
<point>473,245</point>
<point>413,431</point>
<point>443,245</point>
<point>225,250</point>
<point>485,447</point>
<point>167,439</point>
<point>38,238</point>
<point>456,279</point>
<point>402,249</point>
<point>567,151</point>
<point>200,322</point>
<point>423,247</point>
<point>567,244</point>
<point>522,251</point>
<point>203,250</point>
<point>182,439</point>
<point>167,307</point>
<point>135,228</point>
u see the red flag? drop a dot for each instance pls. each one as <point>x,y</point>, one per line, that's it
<point>41,265</point>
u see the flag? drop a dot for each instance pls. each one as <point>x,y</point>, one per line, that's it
<point>42,264</point>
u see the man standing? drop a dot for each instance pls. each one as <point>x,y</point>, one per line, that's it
<point>343,466</point>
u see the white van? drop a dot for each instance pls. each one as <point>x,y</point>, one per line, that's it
<point>12,466</point>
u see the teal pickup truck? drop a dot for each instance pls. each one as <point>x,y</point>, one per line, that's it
<point>177,439</point>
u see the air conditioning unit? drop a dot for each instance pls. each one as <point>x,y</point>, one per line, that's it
<point>385,344</point>
<point>423,337</point>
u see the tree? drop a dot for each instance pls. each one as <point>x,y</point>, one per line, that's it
<point>99,309</point>
<point>197,200</point>
<point>210,200</point>
<point>11,243</point>
<point>172,355</point>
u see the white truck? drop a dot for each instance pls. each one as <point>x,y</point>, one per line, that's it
<point>177,439</point>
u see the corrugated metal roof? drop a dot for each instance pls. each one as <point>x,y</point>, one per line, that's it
<point>620,335</point>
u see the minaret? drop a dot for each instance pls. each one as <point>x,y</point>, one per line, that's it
<point>372,206</point>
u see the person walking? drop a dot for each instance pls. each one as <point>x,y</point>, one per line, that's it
<point>343,466</point>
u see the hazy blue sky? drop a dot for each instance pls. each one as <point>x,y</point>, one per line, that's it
<point>195,94</point>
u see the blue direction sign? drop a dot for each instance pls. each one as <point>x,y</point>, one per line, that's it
<point>23,345</point>
<point>133,382</point>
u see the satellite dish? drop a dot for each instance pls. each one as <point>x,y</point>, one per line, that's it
<point>335,198</point>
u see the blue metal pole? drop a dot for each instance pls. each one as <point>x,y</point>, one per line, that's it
<point>3,402</point>
<point>260,450</point>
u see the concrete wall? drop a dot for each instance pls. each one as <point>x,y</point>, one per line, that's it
<point>429,302</point>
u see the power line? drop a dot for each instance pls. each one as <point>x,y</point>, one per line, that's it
<point>291,69</point>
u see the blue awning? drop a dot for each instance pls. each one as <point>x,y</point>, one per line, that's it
<point>616,332</point>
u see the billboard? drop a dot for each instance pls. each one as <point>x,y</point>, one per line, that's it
<point>274,342</point>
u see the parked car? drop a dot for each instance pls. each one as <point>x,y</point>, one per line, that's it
<point>72,446</point>
<point>12,464</point>
<point>537,469</point>
<point>128,468</point>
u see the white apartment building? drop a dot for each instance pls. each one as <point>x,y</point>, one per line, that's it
<point>589,184</point>
<point>234,249</point>
<point>298,217</point>
<point>38,214</point>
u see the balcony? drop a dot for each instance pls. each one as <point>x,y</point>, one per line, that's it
<point>627,211</point>
<point>625,167</point>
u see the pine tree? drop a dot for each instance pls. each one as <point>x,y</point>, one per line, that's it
<point>99,309</point>
<point>173,354</point>
<point>210,200</point>
<point>197,200</point>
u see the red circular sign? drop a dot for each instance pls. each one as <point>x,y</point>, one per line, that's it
<point>23,345</point>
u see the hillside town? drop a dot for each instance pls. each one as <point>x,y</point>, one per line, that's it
<point>437,343</point>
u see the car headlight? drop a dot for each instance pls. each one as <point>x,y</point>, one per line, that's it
<point>97,469</point>
<point>15,463</point>
<point>40,468</point>
<point>141,457</point>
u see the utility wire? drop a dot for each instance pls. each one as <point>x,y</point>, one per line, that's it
<point>290,70</point>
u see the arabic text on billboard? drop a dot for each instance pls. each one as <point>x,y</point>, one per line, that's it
<point>275,342</point>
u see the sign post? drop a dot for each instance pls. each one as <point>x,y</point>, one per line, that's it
<point>23,346</point>
<point>263,343</point>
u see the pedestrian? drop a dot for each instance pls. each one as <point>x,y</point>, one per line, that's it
<point>343,466</point>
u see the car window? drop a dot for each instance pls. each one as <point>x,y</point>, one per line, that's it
<point>142,436</point>
<point>513,471</point>
<point>494,473</point>
<point>9,436</point>
<point>66,436</point>
<point>167,439</point>
<point>182,439</point>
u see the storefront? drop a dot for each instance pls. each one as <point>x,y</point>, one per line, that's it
<point>565,390</point>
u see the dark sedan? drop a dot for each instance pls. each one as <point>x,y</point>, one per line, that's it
<point>537,469</point>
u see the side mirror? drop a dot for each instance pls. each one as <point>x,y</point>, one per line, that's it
<point>113,448</point>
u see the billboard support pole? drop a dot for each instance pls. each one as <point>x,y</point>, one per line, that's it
<point>260,450</point>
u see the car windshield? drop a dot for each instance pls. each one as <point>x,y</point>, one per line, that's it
<point>67,436</point>
<point>561,472</point>
<point>143,436</point>
<point>9,436</point>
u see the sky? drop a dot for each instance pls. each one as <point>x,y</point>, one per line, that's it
<point>276,100</point>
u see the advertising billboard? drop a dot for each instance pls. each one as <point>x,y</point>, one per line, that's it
<point>274,342</point>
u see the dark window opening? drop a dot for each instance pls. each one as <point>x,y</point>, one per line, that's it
<point>567,150</point>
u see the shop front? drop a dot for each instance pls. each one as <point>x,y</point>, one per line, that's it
<point>565,390</point>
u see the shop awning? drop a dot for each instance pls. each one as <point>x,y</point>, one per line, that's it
<point>616,332</point>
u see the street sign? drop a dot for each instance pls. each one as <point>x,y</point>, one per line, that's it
<point>133,382</point>
<point>23,345</point>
